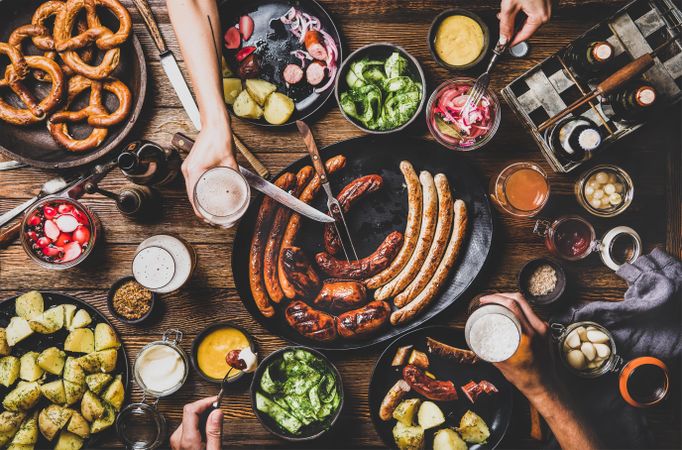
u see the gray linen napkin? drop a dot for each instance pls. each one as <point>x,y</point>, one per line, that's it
<point>647,322</point>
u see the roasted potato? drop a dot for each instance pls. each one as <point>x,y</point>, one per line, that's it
<point>473,429</point>
<point>278,108</point>
<point>30,370</point>
<point>80,340</point>
<point>80,320</point>
<point>115,393</point>
<point>419,359</point>
<point>48,322</point>
<point>17,330</point>
<point>245,106</point>
<point>78,425</point>
<point>73,392</point>
<point>98,381</point>
<point>231,89</point>
<point>4,346</point>
<point>52,360</point>
<point>69,313</point>
<point>68,441</point>
<point>408,438</point>
<point>23,397</point>
<point>52,419</point>
<point>54,392</point>
<point>105,337</point>
<point>73,371</point>
<point>448,439</point>
<point>9,425</point>
<point>9,370</point>
<point>430,415</point>
<point>406,410</point>
<point>91,407</point>
<point>28,431</point>
<point>105,421</point>
<point>104,361</point>
<point>259,90</point>
<point>29,305</point>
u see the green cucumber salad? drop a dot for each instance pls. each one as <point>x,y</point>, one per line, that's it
<point>382,94</point>
<point>298,390</point>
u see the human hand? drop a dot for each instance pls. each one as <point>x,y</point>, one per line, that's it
<point>538,12</point>
<point>213,147</point>
<point>188,437</point>
<point>529,369</point>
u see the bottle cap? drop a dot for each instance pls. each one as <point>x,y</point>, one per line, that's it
<point>519,50</point>
<point>589,139</point>
<point>602,51</point>
<point>645,96</point>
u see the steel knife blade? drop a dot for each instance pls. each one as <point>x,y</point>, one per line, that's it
<point>170,66</point>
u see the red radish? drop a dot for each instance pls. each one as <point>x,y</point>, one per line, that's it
<point>72,250</point>
<point>34,220</point>
<point>32,235</point>
<point>232,38</point>
<point>51,250</point>
<point>67,223</point>
<point>63,239</point>
<point>244,52</point>
<point>80,216</point>
<point>65,208</point>
<point>49,212</point>
<point>43,241</point>
<point>52,230</point>
<point>246,27</point>
<point>81,235</point>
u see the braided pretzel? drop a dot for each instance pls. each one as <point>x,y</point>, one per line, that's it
<point>18,64</point>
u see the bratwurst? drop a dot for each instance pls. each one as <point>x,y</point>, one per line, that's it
<point>363,321</point>
<point>309,322</point>
<point>340,296</point>
<point>365,267</point>
<point>300,273</point>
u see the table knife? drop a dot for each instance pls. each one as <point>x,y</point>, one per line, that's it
<point>11,165</point>
<point>262,185</point>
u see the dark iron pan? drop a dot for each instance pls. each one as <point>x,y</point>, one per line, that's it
<point>34,145</point>
<point>373,217</point>
<point>275,42</point>
<point>495,409</point>
<point>39,342</point>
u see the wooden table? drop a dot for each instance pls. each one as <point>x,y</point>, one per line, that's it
<point>652,157</point>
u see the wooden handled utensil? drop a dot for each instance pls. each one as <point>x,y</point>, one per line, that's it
<point>9,234</point>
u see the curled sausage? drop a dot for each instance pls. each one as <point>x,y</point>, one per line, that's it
<point>365,267</point>
<point>314,46</point>
<point>309,322</point>
<point>436,390</point>
<point>393,397</point>
<point>340,296</point>
<point>300,273</point>
<point>363,321</point>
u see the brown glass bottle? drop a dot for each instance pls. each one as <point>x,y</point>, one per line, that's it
<point>632,103</point>
<point>146,163</point>
<point>589,59</point>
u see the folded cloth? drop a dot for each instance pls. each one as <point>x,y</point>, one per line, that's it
<point>645,323</point>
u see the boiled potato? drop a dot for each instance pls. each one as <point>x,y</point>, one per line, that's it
<point>9,370</point>
<point>29,305</point>
<point>80,320</point>
<point>98,381</point>
<point>105,421</point>
<point>473,429</point>
<point>78,425</point>
<point>30,370</point>
<point>73,392</point>
<point>68,441</point>
<point>104,361</point>
<point>245,106</point>
<point>406,410</point>
<point>115,393</point>
<point>259,89</point>
<point>278,108</point>
<point>91,407</point>
<point>52,360</point>
<point>20,447</point>
<point>9,425</point>
<point>28,431</point>
<point>105,337</point>
<point>407,437</point>
<point>4,346</point>
<point>73,371</point>
<point>448,439</point>
<point>48,322</point>
<point>52,419</point>
<point>54,392</point>
<point>80,340</point>
<point>17,330</point>
<point>430,415</point>
<point>69,313</point>
<point>231,89</point>
<point>23,397</point>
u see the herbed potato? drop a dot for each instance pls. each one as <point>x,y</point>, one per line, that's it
<point>9,425</point>
<point>105,421</point>
<point>448,439</point>
<point>52,419</point>
<point>9,370</point>
<point>69,313</point>
<point>259,89</point>
<point>48,322</point>
<point>52,360</point>
<point>408,437</point>
<point>30,370</point>
<point>406,411</point>
<point>4,346</point>
<point>28,431</point>
<point>73,371</point>
<point>17,330</point>
<point>80,340</point>
<point>245,106</point>
<point>430,415</point>
<point>23,397</point>
<point>54,391</point>
<point>473,429</point>
<point>231,89</point>
<point>92,407</point>
<point>98,381</point>
<point>115,393</point>
<point>81,319</point>
<point>105,337</point>
<point>68,441</point>
<point>29,305</point>
<point>104,361</point>
<point>78,425</point>
<point>278,108</point>
<point>73,392</point>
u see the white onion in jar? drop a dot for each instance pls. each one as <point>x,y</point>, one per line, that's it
<point>576,359</point>
<point>602,177</point>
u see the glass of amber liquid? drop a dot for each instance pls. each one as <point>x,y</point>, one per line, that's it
<point>521,189</point>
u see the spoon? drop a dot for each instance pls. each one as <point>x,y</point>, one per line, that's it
<point>49,187</point>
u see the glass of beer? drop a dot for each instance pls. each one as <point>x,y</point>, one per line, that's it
<point>521,189</point>
<point>221,196</point>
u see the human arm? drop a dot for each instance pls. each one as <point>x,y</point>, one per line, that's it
<point>188,437</point>
<point>530,369</point>
<point>538,13</point>
<point>213,146</point>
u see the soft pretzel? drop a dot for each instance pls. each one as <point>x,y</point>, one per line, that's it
<point>17,63</point>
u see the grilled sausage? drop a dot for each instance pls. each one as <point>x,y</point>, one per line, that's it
<point>407,312</point>
<point>314,73</point>
<point>440,242</point>
<point>232,360</point>
<point>392,399</point>
<point>333,164</point>
<point>271,254</point>
<point>436,390</point>
<point>313,41</point>
<point>350,194</point>
<point>448,351</point>
<point>292,73</point>
<point>363,321</point>
<point>309,322</point>
<point>261,230</point>
<point>428,226</point>
<point>340,296</point>
<point>365,267</point>
<point>300,273</point>
<point>414,218</point>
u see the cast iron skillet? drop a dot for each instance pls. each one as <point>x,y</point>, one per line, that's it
<point>34,145</point>
<point>374,217</point>
<point>275,43</point>
<point>495,409</point>
<point>39,342</point>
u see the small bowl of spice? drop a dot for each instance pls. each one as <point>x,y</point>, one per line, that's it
<point>542,281</point>
<point>129,301</point>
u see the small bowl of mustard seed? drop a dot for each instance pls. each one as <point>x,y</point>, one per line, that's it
<point>129,301</point>
<point>542,281</point>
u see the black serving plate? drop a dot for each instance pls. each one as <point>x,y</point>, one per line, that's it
<point>495,409</point>
<point>38,342</point>
<point>374,217</point>
<point>275,44</point>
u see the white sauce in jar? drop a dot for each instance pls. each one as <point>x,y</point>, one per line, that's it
<point>160,368</point>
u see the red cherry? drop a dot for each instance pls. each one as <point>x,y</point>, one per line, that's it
<point>52,230</point>
<point>49,212</point>
<point>63,239</point>
<point>44,241</point>
<point>32,235</point>
<point>51,250</point>
<point>34,220</point>
<point>81,235</point>
<point>72,250</point>
<point>65,208</point>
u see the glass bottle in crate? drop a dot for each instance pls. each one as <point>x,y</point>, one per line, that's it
<point>574,139</point>
<point>632,103</point>
<point>590,58</point>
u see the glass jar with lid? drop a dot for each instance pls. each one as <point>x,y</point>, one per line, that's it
<point>604,190</point>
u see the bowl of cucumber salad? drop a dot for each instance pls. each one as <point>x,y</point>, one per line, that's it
<point>380,88</point>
